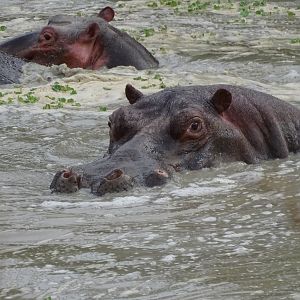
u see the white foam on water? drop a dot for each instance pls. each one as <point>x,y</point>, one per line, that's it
<point>168,258</point>
<point>117,202</point>
<point>195,190</point>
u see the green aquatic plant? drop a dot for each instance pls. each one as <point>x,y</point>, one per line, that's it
<point>295,41</point>
<point>171,3</point>
<point>28,98</point>
<point>291,14</point>
<point>102,108</point>
<point>248,6</point>
<point>196,6</point>
<point>3,28</point>
<point>261,12</point>
<point>259,3</point>
<point>162,85</point>
<point>60,103</point>
<point>9,100</point>
<point>56,87</point>
<point>148,32</point>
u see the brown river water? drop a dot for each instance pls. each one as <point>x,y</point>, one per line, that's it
<point>231,232</point>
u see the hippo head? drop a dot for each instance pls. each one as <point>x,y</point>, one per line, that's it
<point>75,41</point>
<point>150,139</point>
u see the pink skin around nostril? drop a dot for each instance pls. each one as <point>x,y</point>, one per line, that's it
<point>161,173</point>
<point>66,174</point>
<point>115,174</point>
<point>47,35</point>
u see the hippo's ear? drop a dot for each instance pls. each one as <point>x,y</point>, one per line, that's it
<point>221,100</point>
<point>107,13</point>
<point>90,33</point>
<point>132,94</point>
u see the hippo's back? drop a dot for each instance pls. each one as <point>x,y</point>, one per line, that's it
<point>11,68</point>
<point>278,121</point>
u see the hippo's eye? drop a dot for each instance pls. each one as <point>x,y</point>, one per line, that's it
<point>193,130</point>
<point>194,126</point>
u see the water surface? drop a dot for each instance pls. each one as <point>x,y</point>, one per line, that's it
<point>224,233</point>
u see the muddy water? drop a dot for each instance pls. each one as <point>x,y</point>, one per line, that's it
<point>227,233</point>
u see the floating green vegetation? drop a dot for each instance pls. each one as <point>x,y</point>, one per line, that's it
<point>56,87</point>
<point>161,83</point>
<point>102,108</point>
<point>291,14</point>
<point>80,14</point>
<point>259,2</point>
<point>261,12</point>
<point>247,7</point>
<point>196,6</point>
<point>60,103</point>
<point>106,88</point>
<point>28,98</point>
<point>9,100</point>
<point>171,3</point>
<point>31,98</point>
<point>148,32</point>
<point>3,28</point>
<point>295,41</point>
<point>148,86</point>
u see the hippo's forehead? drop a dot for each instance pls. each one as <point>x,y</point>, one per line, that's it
<point>170,102</point>
<point>161,106</point>
<point>61,20</point>
<point>70,27</point>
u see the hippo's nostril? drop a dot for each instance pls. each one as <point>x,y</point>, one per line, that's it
<point>47,36</point>
<point>66,174</point>
<point>161,173</point>
<point>157,177</point>
<point>115,174</point>
<point>115,181</point>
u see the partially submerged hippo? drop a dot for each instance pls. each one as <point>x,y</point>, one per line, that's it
<point>186,128</point>
<point>84,42</point>
<point>11,68</point>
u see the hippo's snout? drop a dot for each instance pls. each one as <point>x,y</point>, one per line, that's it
<point>66,181</point>
<point>115,181</point>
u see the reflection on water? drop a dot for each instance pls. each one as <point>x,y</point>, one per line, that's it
<point>225,233</point>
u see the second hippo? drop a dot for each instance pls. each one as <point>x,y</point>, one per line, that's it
<point>191,128</point>
<point>81,42</point>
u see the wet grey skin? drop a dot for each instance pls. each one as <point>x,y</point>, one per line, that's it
<point>18,44</point>
<point>11,69</point>
<point>189,128</point>
<point>85,42</point>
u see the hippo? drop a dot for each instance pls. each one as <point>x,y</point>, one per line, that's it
<point>81,42</point>
<point>189,127</point>
<point>11,68</point>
